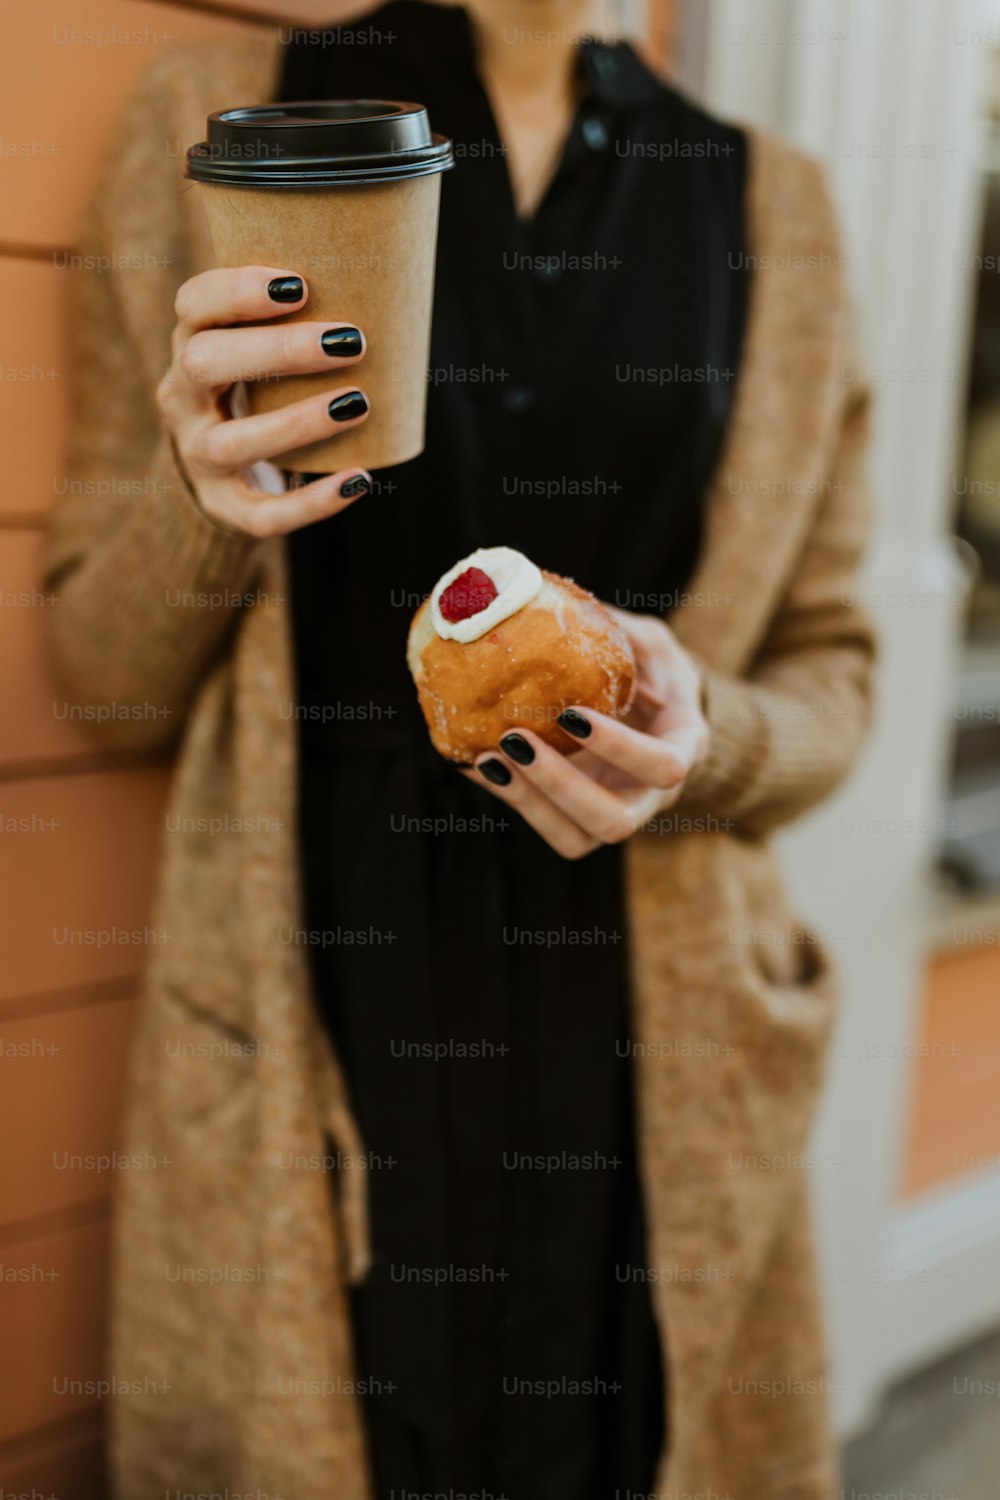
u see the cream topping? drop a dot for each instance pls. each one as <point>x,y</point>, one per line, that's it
<point>515,579</point>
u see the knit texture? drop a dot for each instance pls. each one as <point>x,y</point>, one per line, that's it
<point>246,1385</point>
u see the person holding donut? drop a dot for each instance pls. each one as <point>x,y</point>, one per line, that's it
<point>451,1048</point>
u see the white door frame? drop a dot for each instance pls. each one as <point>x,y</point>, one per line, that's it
<point>848,79</point>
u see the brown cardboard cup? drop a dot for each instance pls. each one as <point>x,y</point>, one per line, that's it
<point>325,191</point>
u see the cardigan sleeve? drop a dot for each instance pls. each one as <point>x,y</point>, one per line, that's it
<point>784,735</point>
<point>147,586</point>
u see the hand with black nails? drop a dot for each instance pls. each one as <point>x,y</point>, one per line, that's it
<point>223,336</point>
<point>627,772</point>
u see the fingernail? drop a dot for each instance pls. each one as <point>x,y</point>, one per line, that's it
<point>496,771</point>
<point>575,724</point>
<point>344,342</point>
<point>285,289</point>
<point>360,484</point>
<point>350,404</point>
<point>517,747</point>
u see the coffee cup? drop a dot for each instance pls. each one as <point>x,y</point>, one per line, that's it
<point>344,193</point>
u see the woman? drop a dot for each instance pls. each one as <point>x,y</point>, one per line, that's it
<point>539,1054</point>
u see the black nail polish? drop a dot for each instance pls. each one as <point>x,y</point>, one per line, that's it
<point>517,747</point>
<point>496,771</point>
<point>575,724</point>
<point>350,404</point>
<point>346,343</point>
<point>359,485</point>
<point>285,289</point>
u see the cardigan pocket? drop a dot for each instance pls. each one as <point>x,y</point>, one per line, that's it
<point>790,978</point>
<point>795,992</point>
<point>781,1007</point>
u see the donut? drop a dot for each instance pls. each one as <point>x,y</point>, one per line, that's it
<point>500,645</point>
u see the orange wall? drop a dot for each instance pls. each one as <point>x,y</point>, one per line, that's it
<point>79,828</point>
<point>953,1127</point>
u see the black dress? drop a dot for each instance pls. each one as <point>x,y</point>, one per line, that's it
<point>582,370</point>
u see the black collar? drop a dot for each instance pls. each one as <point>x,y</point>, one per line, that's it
<point>617,74</point>
<point>614,72</point>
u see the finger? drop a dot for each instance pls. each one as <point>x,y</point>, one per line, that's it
<point>660,760</point>
<point>580,799</point>
<point>239,505</point>
<point>682,727</point>
<point>558,831</point>
<point>669,686</point>
<point>657,651</point>
<point>646,633</point>
<point>681,721</point>
<point>221,356</point>
<point>226,446</point>
<point>237,294</point>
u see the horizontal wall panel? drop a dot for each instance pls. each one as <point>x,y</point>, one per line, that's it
<point>71,1467</point>
<point>61,1083</point>
<point>65,69</point>
<point>77,862</point>
<point>53,1310</point>
<point>34,722</point>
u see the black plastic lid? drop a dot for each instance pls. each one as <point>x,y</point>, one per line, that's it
<point>319,143</point>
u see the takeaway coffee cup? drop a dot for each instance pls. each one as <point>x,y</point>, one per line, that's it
<point>344,193</point>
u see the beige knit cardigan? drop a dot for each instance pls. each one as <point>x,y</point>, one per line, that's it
<point>181,632</point>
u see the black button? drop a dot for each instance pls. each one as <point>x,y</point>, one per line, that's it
<point>604,63</point>
<point>594,133</point>
<point>549,271</point>
<point>518,399</point>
